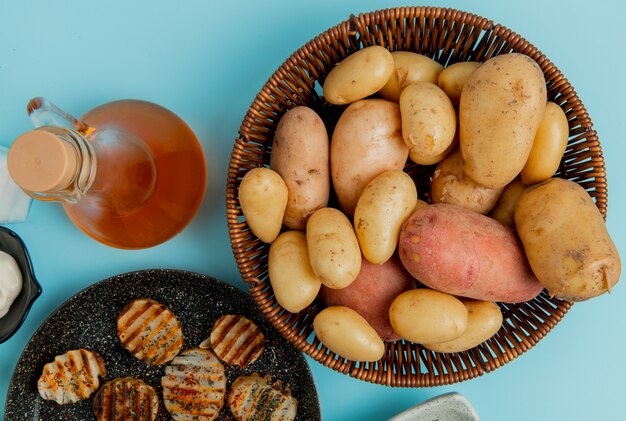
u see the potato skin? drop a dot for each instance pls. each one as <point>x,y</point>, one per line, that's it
<point>367,141</point>
<point>348,334</point>
<point>453,78</point>
<point>501,107</point>
<point>409,67</point>
<point>548,147</point>
<point>387,201</point>
<point>300,154</point>
<point>504,210</point>
<point>263,199</point>
<point>372,292</point>
<point>293,281</point>
<point>428,121</point>
<point>455,250</point>
<point>484,321</point>
<point>566,240</point>
<point>450,185</point>
<point>359,75</point>
<point>333,248</point>
<point>427,316</point>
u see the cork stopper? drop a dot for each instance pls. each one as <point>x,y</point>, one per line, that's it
<point>39,161</point>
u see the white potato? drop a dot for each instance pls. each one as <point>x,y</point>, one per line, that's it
<point>387,201</point>
<point>348,334</point>
<point>293,281</point>
<point>263,199</point>
<point>409,67</point>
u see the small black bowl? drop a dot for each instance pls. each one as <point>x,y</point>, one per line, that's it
<point>12,244</point>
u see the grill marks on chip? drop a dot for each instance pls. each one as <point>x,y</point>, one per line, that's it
<point>126,399</point>
<point>235,340</point>
<point>72,376</point>
<point>194,385</point>
<point>149,331</point>
<point>258,398</point>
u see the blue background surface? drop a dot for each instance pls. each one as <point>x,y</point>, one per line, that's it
<point>206,60</point>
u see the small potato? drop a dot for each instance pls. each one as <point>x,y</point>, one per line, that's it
<point>263,199</point>
<point>453,78</point>
<point>387,201</point>
<point>333,248</point>
<point>504,210</point>
<point>367,141</point>
<point>548,147</point>
<point>460,252</point>
<point>300,154</point>
<point>427,316</point>
<point>484,321</point>
<point>359,75</point>
<point>501,107</point>
<point>428,121</point>
<point>450,185</point>
<point>293,281</point>
<point>348,334</point>
<point>409,67</point>
<point>566,240</point>
<point>372,292</point>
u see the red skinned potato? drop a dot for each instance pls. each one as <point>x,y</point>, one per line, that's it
<point>372,292</point>
<point>464,253</point>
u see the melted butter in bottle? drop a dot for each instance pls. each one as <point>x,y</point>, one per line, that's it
<point>129,173</point>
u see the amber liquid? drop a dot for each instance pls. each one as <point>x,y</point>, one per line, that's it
<point>127,206</point>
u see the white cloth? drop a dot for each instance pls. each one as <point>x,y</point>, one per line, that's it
<point>14,203</point>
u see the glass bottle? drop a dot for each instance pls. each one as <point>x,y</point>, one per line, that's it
<point>129,173</point>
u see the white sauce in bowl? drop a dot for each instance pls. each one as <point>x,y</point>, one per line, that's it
<point>10,282</point>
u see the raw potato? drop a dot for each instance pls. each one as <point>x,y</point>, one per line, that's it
<point>548,147</point>
<point>300,154</point>
<point>450,185</point>
<point>566,240</point>
<point>504,210</point>
<point>428,121</point>
<point>372,292</point>
<point>263,199</point>
<point>427,316</point>
<point>501,107</point>
<point>294,283</point>
<point>484,321</point>
<point>348,334</point>
<point>366,142</point>
<point>453,78</point>
<point>409,67</point>
<point>333,248</point>
<point>387,201</point>
<point>359,75</point>
<point>464,253</point>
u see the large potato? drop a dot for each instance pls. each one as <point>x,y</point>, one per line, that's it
<point>387,201</point>
<point>263,199</point>
<point>548,147</point>
<point>348,334</point>
<point>333,248</point>
<point>409,67</point>
<point>455,250</point>
<point>300,154</point>
<point>366,142</point>
<point>426,316</point>
<point>428,122</point>
<point>453,78</point>
<point>293,281</point>
<point>501,107</point>
<point>504,210</point>
<point>372,292</point>
<point>449,184</point>
<point>484,320</point>
<point>566,240</point>
<point>359,75</point>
